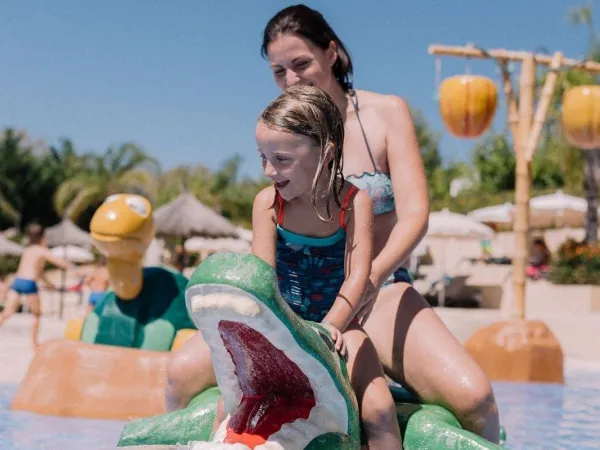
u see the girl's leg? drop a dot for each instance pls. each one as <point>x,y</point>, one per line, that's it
<point>417,349</point>
<point>190,372</point>
<point>376,405</point>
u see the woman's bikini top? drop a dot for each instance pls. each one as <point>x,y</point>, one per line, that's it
<point>377,184</point>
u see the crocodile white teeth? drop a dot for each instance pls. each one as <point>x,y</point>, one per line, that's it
<point>241,305</point>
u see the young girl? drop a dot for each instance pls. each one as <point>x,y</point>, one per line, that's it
<point>315,229</point>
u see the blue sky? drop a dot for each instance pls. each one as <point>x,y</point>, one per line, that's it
<point>185,78</point>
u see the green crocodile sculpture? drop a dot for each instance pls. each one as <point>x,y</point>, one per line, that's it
<point>283,384</point>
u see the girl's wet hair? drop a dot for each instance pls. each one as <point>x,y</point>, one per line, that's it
<point>311,112</point>
<point>310,24</point>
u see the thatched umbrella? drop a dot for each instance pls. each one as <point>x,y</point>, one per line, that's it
<point>186,217</point>
<point>8,247</point>
<point>67,233</point>
<point>62,235</point>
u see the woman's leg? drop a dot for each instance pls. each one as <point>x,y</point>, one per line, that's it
<point>190,372</point>
<point>417,349</point>
<point>376,405</point>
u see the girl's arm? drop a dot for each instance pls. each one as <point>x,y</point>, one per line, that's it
<point>264,230</point>
<point>359,254</point>
<point>410,190</point>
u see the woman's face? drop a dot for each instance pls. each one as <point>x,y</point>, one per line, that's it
<point>295,60</point>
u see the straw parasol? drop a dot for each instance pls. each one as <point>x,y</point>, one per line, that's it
<point>8,247</point>
<point>199,244</point>
<point>497,214</point>
<point>452,225</point>
<point>73,253</point>
<point>186,217</point>
<point>558,209</point>
<point>67,233</point>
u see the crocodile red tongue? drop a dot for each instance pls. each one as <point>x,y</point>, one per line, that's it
<point>274,389</point>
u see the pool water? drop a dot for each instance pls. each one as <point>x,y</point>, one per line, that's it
<point>542,417</point>
<point>536,417</point>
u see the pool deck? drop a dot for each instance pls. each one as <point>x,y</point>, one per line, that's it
<point>16,350</point>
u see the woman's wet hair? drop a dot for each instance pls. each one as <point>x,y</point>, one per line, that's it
<point>311,25</point>
<point>311,112</point>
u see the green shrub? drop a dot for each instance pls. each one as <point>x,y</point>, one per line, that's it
<point>8,264</point>
<point>576,263</point>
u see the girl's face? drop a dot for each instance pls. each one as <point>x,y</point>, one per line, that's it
<point>295,60</point>
<point>290,160</point>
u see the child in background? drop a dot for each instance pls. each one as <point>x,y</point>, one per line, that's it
<point>29,273</point>
<point>97,283</point>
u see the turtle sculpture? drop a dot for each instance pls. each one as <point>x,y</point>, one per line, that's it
<point>112,364</point>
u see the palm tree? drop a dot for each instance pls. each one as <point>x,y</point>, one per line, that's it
<point>124,169</point>
<point>8,210</point>
<point>16,160</point>
<point>65,159</point>
<point>198,180</point>
<point>221,190</point>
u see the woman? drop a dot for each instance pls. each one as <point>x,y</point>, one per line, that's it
<point>415,347</point>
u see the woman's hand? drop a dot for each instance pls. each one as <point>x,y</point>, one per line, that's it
<point>338,338</point>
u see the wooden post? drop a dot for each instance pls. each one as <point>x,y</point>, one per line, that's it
<point>541,111</point>
<point>520,350</point>
<point>525,136</point>
<point>513,112</point>
<point>522,184</point>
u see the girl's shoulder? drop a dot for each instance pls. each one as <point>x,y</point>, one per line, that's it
<point>266,196</point>
<point>355,197</point>
<point>265,201</point>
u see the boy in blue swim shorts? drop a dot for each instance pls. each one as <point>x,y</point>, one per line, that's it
<point>30,271</point>
<point>98,284</point>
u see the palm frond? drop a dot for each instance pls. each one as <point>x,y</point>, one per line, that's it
<point>85,198</point>
<point>8,210</point>
<point>139,182</point>
<point>68,191</point>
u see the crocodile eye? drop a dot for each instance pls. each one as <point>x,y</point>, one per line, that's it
<point>327,341</point>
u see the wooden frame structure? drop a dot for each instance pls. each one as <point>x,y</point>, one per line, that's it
<point>526,123</point>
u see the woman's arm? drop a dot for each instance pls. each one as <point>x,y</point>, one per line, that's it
<point>264,231</point>
<point>410,190</point>
<point>359,254</point>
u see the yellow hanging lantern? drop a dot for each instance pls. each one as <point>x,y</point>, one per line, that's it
<point>468,104</point>
<point>580,117</point>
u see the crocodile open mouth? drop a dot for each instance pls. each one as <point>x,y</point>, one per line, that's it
<point>276,393</point>
<point>274,389</point>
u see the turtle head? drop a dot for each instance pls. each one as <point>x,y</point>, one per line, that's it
<point>121,229</point>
